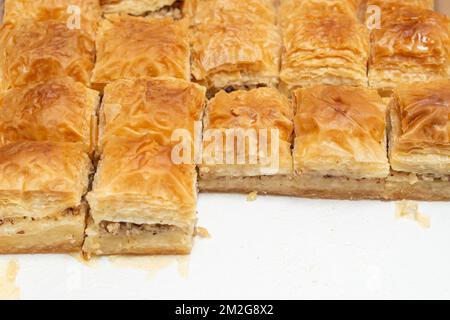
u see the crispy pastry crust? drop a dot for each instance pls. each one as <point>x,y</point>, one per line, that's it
<point>59,233</point>
<point>229,11</point>
<point>137,182</point>
<point>411,45</point>
<point>132,47</point>
<point>340,131</point>
<point>150,106</point>
<point>425,4</point>
<point>397,186</point>
<point>19,11</point>
<point>59,110</point>
<point>328,49</point>
<point>259,109</point>
<point>134,7</point>
<point>38,51</point>
<point>39,179</point>
<point>251,56</point>
<point>290,10</point>
<point>420,135</point>
<point>133,241</point>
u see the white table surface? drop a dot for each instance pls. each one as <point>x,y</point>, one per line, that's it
<point>273,248</point>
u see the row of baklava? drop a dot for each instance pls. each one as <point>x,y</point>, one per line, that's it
<point>330,142</point>
<point>228,44</point>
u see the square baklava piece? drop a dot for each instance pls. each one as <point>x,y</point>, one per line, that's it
<point>141,202</point>
<point>412,44</point>
<point>79,14</point>
<point>144,193</point>
<point>155,106</point>
<point>41,189</point>
<point>340,131</point>
<point>59,110</point>
<point>246,140</point>
<point>142,7</point>
<point>235,49</point>
<point>326,46</point>
<point>340,143</point>
<point>420,135</point>
<point>37,51</point>
<point>132,47</point>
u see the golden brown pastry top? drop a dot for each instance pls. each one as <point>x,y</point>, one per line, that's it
<point>43,166</point>
<point>332,46</point>
<point>131,47</point>
<point>411,36</point>
<point>58,110</point>
<point>262,108</point>
<point>386,4</point>
<point>291,10</point>
<point>423,111</point>
<point>338,124</point>
<point>37,51</point>
<point>66,11</point>
<point>155,106</point>
<point>229,11</point>
<point>334,31</point>
<point>143,169</point>
<point>248,133</point>
<point>235,48</point>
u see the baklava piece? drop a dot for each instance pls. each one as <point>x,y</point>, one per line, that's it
<point>327,48</point>
<point>37,51</point>
<point>132,47</point>
<point>420,135</point>
<point>247,135</point>
<point>77,14</point>
<point>59,110</point>
<point>412,44</point>
<point>41,189</point>
<point>143,7</point>
<point>235,51</point>
<point>340,132</point>
<point>141,202</point>
<point>150,106</point>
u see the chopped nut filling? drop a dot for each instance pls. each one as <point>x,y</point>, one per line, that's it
<point>117,228</point>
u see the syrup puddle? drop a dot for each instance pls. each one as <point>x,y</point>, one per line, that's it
<point>152,264</point>
<point>8,274</point>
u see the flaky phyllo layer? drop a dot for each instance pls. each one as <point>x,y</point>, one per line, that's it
<point>40,179</point>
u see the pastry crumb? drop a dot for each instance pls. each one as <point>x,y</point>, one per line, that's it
<point>202,233</point>
<point>252,196</point>
<point>410,210</point>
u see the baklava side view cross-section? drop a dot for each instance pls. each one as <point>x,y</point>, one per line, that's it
<point>143,201</point>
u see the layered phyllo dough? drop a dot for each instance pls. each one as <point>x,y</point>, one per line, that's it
<point>42,185</point>
<point>324,43</point>
<point>60,110</point>
<point>37,51</point>
<point>132,47</point>
<point>412,44</point>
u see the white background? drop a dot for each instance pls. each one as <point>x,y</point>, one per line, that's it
<point>272,248</point>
